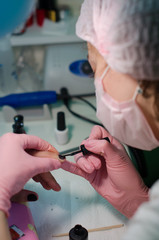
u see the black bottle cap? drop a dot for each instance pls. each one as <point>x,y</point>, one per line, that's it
<point>19,118</point>
<point>61,126</point>
<point>78,233</point>
<point>50,4</point>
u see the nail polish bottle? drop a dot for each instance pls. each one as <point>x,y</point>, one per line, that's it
<point>78,233</point>
<point>40,13</point>
<point>18,126</point>
<point>61,132</point>
<point>52,12</point>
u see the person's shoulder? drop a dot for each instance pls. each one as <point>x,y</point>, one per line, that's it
<point>145,223</point>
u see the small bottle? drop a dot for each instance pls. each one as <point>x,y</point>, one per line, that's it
<point>18,126</point>
<point>52,10</point>
<point>61,132</point>
<point>78,233</point>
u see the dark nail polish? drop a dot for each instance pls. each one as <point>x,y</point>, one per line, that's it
<point>32,197</point>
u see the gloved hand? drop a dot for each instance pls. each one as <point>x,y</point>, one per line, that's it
<point>46,179</point>
<point>110,171</point>
<point>17,166</point>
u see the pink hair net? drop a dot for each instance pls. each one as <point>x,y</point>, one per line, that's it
<point>126,34</point>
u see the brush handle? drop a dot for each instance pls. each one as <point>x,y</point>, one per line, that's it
<point>85,151</point>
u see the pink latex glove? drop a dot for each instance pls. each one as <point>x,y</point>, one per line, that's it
<point>17,166</point>
<point>111,172</point>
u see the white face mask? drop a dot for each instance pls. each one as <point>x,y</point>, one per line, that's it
<point>125,121</point>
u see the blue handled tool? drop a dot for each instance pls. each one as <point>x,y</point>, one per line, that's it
<point>17,100</point>
<point>30,99</point>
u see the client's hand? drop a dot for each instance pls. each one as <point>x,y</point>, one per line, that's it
<point>17,166</point>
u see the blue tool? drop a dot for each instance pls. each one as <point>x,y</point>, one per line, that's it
<point>17,100</point>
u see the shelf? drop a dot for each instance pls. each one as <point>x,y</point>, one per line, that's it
<point>50,33</point>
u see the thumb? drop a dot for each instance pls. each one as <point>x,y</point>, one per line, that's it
<point>34,142</point>
<point>99,132</point>
<point>100,146</point>
<point>41,165</point>
<point>108,150</point>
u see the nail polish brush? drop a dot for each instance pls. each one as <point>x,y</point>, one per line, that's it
<point>82,150</point>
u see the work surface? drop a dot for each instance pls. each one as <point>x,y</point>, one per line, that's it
<point>77,202</point>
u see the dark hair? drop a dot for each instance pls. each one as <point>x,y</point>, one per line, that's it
<point>151,88</point>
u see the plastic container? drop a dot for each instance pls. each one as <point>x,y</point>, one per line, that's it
<point>21,223</point>
<point>78,233</point>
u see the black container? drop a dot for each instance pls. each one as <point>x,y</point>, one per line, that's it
<point>18,126</point>
<point>78,233</point>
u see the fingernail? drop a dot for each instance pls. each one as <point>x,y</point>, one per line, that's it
<point>58,188</point>
<point>31,197</point>
<point>61,158</point>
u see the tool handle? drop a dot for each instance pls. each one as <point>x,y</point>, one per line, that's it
<point>29,99</point>
<point>85,151</point>
<point>106,138</point>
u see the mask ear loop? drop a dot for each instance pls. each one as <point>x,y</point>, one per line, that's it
<point>138,90</point>
<point>105,72</point>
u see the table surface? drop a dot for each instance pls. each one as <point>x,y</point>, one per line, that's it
<point>77,202</point>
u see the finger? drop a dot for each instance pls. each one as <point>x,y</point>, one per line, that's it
<point>38,165</point>
<point>25,196</point>
<point>102,148</point>
<point>73,168</point>
<point>84,164</point>
<point>39,179</point>
<point>45,178</point>
<point>96,146</point>
<point>108,150</point>
<point>94,160</point>
<point>34,142</point>
<point>88,163</point>
<point>47,181</point>
<point>45,160</point>
<point>99,132</point>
